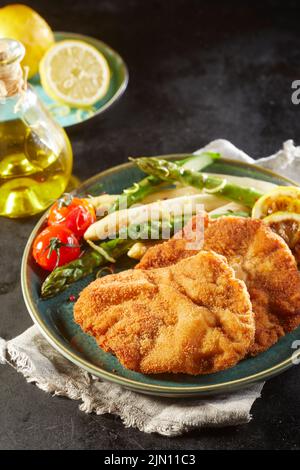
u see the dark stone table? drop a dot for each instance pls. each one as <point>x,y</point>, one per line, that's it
<point>198,71</point>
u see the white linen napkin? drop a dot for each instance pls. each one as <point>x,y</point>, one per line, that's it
<point>41,364</point>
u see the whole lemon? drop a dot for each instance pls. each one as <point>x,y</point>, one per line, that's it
<point>27,26</point>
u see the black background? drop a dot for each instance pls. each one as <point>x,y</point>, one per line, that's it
<point>198,71</point>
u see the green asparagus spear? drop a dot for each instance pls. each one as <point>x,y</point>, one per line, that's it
<point>63,276</point>
<point>230,214</point>
<point>172,172</point>
<point>138,191</point>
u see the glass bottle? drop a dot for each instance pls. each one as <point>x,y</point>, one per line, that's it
<point>35,152</point>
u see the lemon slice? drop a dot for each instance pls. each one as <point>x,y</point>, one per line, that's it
<point>280,199</point>
<point>287,225</point>
<point>75,73</point>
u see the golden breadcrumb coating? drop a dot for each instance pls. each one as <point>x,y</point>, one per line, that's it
<point>260,258</point>
<point>193,317</point>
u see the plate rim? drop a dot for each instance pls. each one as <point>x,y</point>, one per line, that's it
<point>121,90</point>
<point>160,390</point>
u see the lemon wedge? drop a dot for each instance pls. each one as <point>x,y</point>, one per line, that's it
<point>280,199</point>
<point>287,225</point>
<point>279,217</point>
<point>75,73</point>
<point>22,23</point>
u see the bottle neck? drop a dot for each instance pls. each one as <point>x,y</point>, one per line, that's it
<point>12,81</point>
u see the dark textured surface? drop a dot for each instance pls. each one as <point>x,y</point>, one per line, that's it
<point>198,71</point>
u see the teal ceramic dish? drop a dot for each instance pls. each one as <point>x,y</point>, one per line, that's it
<point>67,116</point>
<point>54,317</point>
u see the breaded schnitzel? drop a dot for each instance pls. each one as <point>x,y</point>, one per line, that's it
<point>193,317</point>
<point>260,258</point>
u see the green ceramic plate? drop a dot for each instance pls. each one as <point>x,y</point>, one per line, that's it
<point>67,116</point>
<point>54,317</point>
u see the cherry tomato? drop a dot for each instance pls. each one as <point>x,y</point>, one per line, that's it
<point>55,246</point>
<point>75,213</point>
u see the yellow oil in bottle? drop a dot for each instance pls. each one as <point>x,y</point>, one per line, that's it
<point>32,175</point>
<point>35,153</point>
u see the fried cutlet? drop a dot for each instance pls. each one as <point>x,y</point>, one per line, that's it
<point>260,258</point>
<point>193,317</point>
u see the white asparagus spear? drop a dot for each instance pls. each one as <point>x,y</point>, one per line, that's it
<point>210,201</point>
<point>112,223</point>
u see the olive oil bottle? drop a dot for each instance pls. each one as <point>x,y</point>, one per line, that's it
<point>35,153</point>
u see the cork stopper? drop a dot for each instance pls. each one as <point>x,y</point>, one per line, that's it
<point>11,74</point>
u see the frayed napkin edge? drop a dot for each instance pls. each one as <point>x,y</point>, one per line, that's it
<point>20,361</point>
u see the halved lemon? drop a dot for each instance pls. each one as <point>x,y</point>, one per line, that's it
<point>75,73</point>
<point>287,225</point>
<point>280,199</point>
